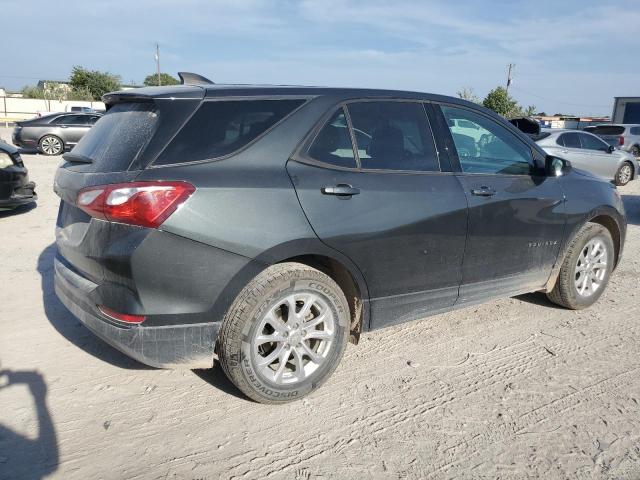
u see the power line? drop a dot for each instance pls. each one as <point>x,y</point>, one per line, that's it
<point>560,101</point>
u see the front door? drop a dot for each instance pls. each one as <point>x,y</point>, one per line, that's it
<point>386,203</point>
<point>516,217</point>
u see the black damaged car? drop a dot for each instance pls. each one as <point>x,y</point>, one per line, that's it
<point>267,226</point>
<point>15,187</point>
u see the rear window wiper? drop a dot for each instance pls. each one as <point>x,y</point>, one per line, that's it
<point>76,158</point>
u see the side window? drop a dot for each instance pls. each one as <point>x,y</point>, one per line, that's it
<point>635,131</point>
<point>221,127</point>
<point>590,142</point>
<point>569,140</point>
<point>333,143</point>
<point>393,136</point>
<point>93,120</point>
<point>486,146</point>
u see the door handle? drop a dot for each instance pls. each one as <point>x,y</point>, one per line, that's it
<point>63,126</point>
<point>342,190</point>
<point>483,192</point>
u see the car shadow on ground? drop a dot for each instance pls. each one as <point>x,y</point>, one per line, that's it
<point>23,456</point>
<point>632,208</point>
<point>538,298</point>
<point>71,329</point>
<point>18,210</point>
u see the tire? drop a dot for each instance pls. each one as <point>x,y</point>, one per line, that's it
<point>261,310</point>
<point>624,174</point>
<point>51,145</point>
<point>575,269</point>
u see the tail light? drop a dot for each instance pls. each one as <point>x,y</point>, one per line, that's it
<point>122,317</point>
<point>145,204</point>
<point>621,140</point>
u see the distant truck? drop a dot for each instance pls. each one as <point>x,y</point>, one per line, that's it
<point>626,110</point>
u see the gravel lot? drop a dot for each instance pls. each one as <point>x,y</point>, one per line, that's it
<point>515,388</point>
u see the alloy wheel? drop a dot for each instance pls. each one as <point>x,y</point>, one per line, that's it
<point>51,145</point>
<point>294,338</point>
<point>591,267</point>
<point>624,175</point>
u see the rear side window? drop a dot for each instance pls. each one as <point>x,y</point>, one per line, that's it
<point>569,140</point>
<point>219,128</point>
<point>393,136</point>
<point>119,136</point>
<point>635,130</point>
<point>606,130</point>
<point>333,144</point>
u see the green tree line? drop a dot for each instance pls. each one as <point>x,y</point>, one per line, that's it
<point>89,85</point>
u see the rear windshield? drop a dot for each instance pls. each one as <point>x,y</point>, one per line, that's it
<point>220,128</point>
<point>606,130</point>
<point>119,136</point>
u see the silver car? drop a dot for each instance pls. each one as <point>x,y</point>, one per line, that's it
<point>55,133</point>
<point>588,152</point>
<point>623,136</point>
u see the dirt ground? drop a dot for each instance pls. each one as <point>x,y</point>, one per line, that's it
<point>516,388</point>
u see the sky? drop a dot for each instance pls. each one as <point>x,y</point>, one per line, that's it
<point>570,56</point>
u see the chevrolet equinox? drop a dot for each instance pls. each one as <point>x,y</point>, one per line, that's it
<point>266,226</point>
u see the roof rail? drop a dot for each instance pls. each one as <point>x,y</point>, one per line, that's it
<point>188,78</point>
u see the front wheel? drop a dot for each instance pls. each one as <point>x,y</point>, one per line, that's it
<point>624,174</point>
<point>585,272</point>
<point>51,145</point>
<point>284,334</point>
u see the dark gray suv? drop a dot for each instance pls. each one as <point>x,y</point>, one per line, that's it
<point>267,226</point>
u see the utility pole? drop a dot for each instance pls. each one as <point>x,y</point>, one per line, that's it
<point>158,63</point>
<point>509,77</point>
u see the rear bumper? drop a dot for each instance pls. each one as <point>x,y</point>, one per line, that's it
<point>168,346</point>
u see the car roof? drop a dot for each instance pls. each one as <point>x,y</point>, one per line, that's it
<point>240,90</point>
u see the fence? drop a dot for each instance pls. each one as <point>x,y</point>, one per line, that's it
<point>14,109</point>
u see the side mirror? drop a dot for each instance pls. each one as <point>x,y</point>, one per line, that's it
<point>611,149</point>
<point>556,167</point>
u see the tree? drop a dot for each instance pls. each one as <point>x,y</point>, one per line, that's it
<point>93,82</point>
<point>501,102</point>
<point>165,79</point>
<point>467,93</point>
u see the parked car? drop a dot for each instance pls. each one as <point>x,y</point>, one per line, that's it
<point>15,187</point>
<point>54,133</point>
<point>249,223</point>
<point>589,152</point>
<point>623,136</point>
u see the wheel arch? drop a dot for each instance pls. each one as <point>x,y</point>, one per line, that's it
<point>340,268</point>
<point>606,216</point>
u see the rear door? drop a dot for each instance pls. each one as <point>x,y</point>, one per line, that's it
<point>516,217</point>
<point>372,187</point>
<point>73,127</point>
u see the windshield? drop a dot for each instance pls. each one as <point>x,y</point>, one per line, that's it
<point>119,136</point>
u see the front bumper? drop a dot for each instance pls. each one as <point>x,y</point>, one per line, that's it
<point>167,346</point>
<point>14,194</point>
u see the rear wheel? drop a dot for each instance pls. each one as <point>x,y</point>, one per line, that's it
<point>585,272</point>
<point>51,145</point>
<point>284,334</point>
<point>624,174</point>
